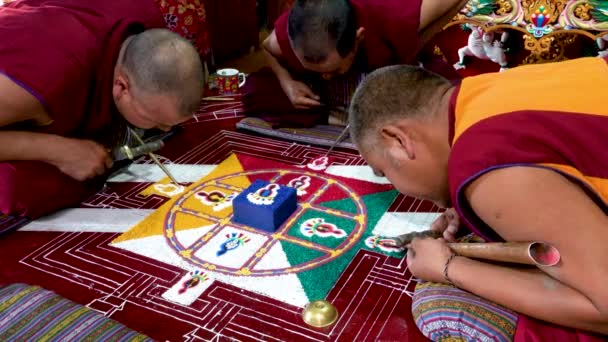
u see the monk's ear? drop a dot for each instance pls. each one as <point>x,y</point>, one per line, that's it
<point>398,139</point>
<point>121,85</point>
<point>360,34</point>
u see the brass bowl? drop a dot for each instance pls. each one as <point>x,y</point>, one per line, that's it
<point>319,314</point>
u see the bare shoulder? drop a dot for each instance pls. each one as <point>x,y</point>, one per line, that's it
<point>521,203</point>
<point>271,44</point>
<point>18,104</point>
<point>433,10</point>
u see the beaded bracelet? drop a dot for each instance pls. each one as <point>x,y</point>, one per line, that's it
<point>445,269</point>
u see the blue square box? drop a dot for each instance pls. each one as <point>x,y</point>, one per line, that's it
<point>264,205</point>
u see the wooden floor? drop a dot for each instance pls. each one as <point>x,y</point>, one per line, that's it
<point>249,63</point>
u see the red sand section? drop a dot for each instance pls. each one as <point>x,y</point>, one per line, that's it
<point>373,295</point>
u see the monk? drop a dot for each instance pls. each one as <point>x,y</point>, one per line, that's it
<point>518,161</point>
<point>69,93</point>
<point>319,40</point>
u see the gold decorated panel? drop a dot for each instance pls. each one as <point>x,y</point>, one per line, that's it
<point>547,27</point>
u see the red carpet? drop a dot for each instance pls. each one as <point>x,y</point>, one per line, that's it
<point>75,259</point>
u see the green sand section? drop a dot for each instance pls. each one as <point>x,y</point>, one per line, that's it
<point>318,281</point>
<point>376,204</point>
<point>345,224</point>
<point>297,255</point>
<point>346,204</point>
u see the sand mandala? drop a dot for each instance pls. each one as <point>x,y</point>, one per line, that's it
<point>299,262</point>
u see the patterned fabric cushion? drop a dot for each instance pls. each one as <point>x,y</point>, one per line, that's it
<point>323,135</point>
<point>30,313</point>
<point>445,313</point>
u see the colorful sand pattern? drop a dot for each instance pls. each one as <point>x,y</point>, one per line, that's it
<point>318,240</point>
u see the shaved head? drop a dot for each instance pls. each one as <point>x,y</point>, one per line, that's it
<point>393,93</point>
<point>399,120</point>
<point>160,62</point>
<point>318,27</point>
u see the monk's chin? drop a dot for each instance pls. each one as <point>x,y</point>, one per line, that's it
<point>138,123</point>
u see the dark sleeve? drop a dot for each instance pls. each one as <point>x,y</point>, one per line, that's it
<point>402,29</point>
<point>391,30</point>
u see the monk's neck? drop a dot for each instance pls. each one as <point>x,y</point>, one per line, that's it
<point>445,113</point>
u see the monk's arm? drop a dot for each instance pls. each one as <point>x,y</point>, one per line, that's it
<point>534,204</point>
<point>17,106</point>
<point>21,145</point>
<point>273,54</point>
<point>532,293</point>
<point>435,14</point>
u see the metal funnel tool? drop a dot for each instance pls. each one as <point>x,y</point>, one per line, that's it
<point>527,253</point>
<point>153,157</point>
<point>128,152</point>
<point>338,140</point>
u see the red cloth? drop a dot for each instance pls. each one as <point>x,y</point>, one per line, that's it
<point>532,330</point>
<point>64,53</point>
<point>33,189</point>
<point>391,33</point>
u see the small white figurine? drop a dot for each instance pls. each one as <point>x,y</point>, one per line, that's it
<point>601,44</point>
<point>481,45</point>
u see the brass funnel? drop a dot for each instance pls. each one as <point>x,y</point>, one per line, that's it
<point>319,314</point>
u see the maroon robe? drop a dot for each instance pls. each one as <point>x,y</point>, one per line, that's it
<point>486,134</point>
<point>64,52</point>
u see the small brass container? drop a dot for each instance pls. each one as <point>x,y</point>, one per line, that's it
<point>319,314</point>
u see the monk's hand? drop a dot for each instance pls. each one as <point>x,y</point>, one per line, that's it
<point>300,95</point>
<point>447,223</point>
<point>81,159</point>
<point>426,258</point>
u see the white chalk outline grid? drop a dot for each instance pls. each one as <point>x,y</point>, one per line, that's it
<point>222,310</point>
